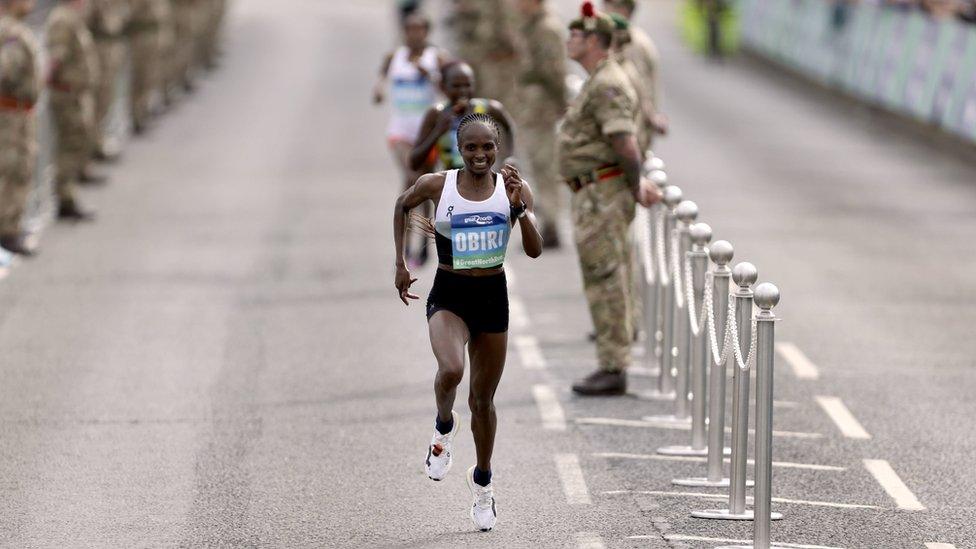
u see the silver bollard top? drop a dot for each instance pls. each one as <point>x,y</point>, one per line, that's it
<point>721,252</point>
<point>686,211</point>
<point>672,196</point>
<point>745,274</point>
<point>767,296</point>
<point>659,177</point>
<point>656,163</point>
<point>700,233</point>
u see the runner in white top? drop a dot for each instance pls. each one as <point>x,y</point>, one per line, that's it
<point>412,72</point>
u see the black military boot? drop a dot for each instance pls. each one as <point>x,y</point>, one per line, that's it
<point>18,244</point>
<point>602,383</point>
<point>70,210</point>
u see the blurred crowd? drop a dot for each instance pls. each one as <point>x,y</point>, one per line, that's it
<point>76,64</point>
<point>940,9</point>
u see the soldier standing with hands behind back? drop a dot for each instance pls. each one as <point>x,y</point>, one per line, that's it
<point>107,20</point>
<point>542,99</point>
<point>601,162</point>
<point>20,86</point>
<point>72,79</point>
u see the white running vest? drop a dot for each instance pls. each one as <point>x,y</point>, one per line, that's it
<point>478,231</point>
<point>411,93</point>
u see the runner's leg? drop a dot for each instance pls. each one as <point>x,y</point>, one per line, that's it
<point>448,334</point>
<point>487,353</point>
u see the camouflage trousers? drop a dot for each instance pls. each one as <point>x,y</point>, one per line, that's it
<point>497,80</point>
<point>537,140</point>
<point>18,158</point>
<point>186,24</point>
<point>602,214</point>
<point>111,57</point>
<point>74,118</point>
<point>146,73</point>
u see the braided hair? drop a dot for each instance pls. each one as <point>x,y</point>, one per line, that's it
<point>477,118</point>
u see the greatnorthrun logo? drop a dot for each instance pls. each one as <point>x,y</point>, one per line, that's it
<point>479,219</point>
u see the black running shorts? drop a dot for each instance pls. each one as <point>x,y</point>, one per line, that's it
<point>480,301</point>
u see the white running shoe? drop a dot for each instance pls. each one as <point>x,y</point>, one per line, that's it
<point>483,509</point>
<point>440,452</point>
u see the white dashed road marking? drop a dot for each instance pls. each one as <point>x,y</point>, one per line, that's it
<point>939,546</point>
<point>614,422</point>
<point>517,314</point>
<point>678,537</point>
<point>701,495</point>
<point>658,457</point>
<point>892,483</point>
<point>589,540</point>
<point>571,476</point>
<point>552,414</point>
<point>529,352</point>
<point>842,416</point>
<point>802,367</point>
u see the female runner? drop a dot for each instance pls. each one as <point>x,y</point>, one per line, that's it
<point>476,210</point>
<point>412,72</point>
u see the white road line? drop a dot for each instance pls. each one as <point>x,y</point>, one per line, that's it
<point>571,476</point>
<point>589,540</point>
<point>656,457</point>
<point>749,499</point>
<point>529,352</point>
<point>552,414</point>
<point>802,367</point>
<point>679,537</point>
<point>842,416</point>
<point>931,545</point>
<point>614,422</point>
<point>517,313</point>
<point>510,278</point>
<point>892,483</point>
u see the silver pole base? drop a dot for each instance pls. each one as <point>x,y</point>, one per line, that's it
<point>688,451</point>
<point>749,547</point>
<point>657,395</point>
<point>703,482</point>
<point>725,514</point>
<point>669,419</point>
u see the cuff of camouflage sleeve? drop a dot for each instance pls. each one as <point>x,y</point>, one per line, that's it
<point>619,125</point>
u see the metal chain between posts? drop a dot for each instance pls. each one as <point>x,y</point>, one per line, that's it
<point>643,223</point>
<point>750,359</point>
<point>679,296</point>
<point>718,357</point>
<point>696,316</point>
<point>659,248</point>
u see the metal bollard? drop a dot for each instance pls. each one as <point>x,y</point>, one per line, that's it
<point>652,282</point>
<point>721,254</point>
<point>694,351</point>
<point>766,297</point>
<point>665,303</point>
<point>699,235</point>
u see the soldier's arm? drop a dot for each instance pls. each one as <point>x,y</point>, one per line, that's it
<point>498,112</point>
<point>614,109</point>
<point>58,38</point>
<point>552,64</point>
<point>13,63</point>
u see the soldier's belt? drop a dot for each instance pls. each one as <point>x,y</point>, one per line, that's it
<point>602,173</point>
<point>8,103</point>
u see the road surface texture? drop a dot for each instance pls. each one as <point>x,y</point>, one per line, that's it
<point>221,360</point>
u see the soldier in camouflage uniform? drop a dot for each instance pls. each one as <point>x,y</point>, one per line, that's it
<point>642,53</point>
<point>542,98</point>
<point>73,79</point>
<point>186,18</point>
<point>107,20</point>
<point>145,39</point>
<point>20,87</point>
<point>466,23</point>
<point>601,163</point>
<point>499,64</point>
<point>208,38</point>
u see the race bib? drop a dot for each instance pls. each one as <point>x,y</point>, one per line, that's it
<point>478,240</point>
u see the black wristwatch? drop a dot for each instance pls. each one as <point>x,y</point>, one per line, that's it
<point>518,211</point>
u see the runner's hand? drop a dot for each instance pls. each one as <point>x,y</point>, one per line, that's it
<point>402,283</point>
<point>513,184</point>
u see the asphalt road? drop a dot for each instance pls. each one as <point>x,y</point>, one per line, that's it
<point>221,360</point>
